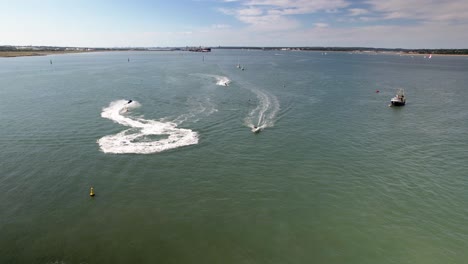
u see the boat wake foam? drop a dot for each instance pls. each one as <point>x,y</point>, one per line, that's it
<point>143,136</point>
<point>264,114</point>
<point>220,80</point>
<point>198,107</point>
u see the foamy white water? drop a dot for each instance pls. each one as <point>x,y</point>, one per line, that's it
<point>220,80</point>
<point>140,137</point>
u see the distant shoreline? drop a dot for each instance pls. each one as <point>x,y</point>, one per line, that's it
<point>359,50</point>
<point>12,54</point>
<point>11,51</point>
<point>22,51</point>
<point>395,53</point>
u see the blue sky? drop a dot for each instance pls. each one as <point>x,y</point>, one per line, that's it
<point>105,23</point>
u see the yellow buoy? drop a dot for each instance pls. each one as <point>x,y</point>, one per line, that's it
<point>91,193</point>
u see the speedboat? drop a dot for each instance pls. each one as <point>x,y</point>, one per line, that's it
<point>399,99</point>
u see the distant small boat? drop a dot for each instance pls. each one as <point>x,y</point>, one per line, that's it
<point>430,56</point>
<point>399,99</point>
<point>199,49</point>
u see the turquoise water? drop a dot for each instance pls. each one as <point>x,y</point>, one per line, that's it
<point>335,176</point>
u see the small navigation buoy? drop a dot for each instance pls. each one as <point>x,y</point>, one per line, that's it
<point>91,192</point>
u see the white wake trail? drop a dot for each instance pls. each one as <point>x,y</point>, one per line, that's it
<point>143,136</point>
<point>199,107</point>
<point>220,80</point>
<point>265,113</point>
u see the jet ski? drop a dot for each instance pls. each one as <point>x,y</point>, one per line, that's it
<point>129,101</point>
<point>256,129</point>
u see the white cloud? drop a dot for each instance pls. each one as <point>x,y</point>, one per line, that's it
<point>269,22</point>
<point>290,7</point>
<point>227,11</point>
<point>220,26</point>
<point>452,11</point>
<point>321,25</point>
<point>268,15</point>
<point>368,19</point>
<point>357,11</point>
<point>425,35</point>
<point>249,12</point>
<point>440,24</point>
<point>428,35</point>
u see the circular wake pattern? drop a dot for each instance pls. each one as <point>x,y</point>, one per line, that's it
<point>143,136</point>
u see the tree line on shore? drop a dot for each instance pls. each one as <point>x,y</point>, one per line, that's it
<point>53,48</point>
<point>360,49</point>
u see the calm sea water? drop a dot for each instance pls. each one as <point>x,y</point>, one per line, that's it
<point>335,176</point>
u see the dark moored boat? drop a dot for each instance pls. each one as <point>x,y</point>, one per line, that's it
<point>399,99</point>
